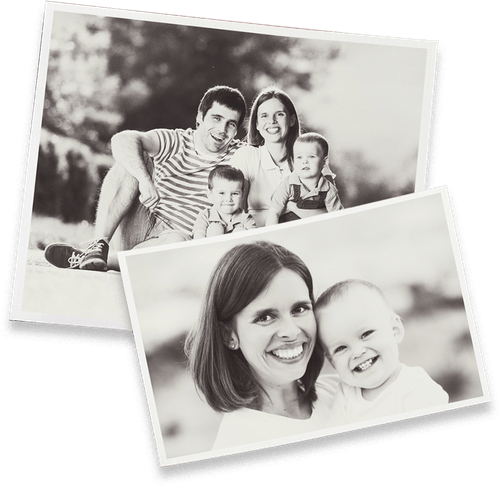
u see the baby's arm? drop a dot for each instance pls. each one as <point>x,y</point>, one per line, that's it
<point>273,216</point>
<point>278,202</point>
<point>426,394</point>
<point>332,201</point>
<point>200,225</point>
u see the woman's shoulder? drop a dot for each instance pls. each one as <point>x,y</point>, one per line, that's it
<point>246,153</point>
<point>326,387</point>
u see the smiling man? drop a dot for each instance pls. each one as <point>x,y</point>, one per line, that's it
<point>169,170</point>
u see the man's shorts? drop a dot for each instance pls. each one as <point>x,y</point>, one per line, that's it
<point>160,233</point>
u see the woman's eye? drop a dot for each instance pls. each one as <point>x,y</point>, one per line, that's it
<point>366,334</point>
<point>301,309</point>
<point>264,319</point>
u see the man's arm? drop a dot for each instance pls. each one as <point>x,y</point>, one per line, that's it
<point>127,148</point>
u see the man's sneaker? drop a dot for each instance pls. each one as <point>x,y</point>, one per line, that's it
<point>63,255</point>
<point>95,257</point>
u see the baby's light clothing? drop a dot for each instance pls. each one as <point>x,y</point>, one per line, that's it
<point>412,390</point>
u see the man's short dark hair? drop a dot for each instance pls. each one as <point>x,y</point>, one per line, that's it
<point>226,172</point>
<point>224,95</point>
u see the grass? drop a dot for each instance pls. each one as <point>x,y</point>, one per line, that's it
<point>46,230</point>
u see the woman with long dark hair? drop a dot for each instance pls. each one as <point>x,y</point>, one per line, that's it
<point>254,354</point>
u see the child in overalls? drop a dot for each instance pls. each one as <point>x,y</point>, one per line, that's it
<point>306,192</point>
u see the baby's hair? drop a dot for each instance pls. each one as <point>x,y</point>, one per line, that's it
<point>341,288</point>
<point>313,137</point>
<point>227,173</point>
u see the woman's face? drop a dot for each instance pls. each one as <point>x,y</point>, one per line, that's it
<point>274,121</point>
<point>276,332</point>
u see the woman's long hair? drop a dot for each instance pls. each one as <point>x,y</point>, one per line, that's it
<point>254,137</point>
<point>241,275</point>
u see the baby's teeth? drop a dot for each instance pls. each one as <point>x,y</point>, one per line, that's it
<point>365,365</point>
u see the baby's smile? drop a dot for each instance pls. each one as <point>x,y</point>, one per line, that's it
<point>365,364</point>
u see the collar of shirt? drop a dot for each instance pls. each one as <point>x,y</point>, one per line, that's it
<point>322,185</point>
<point>214,217</point>
<point>267,162</point>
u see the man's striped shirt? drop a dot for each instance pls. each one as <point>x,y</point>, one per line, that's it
<point>181,177</point>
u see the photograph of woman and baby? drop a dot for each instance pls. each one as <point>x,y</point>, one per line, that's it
<point>303,330</point>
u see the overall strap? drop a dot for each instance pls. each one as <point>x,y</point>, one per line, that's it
<point>318,203</point>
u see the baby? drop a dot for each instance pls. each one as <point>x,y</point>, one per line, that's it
<point>360,334</point>
<point>306,192</point>
<point>225,191</point>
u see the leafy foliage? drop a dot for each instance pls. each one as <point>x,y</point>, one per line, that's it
<point>107,74</point>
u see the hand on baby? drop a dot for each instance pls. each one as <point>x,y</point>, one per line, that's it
<point>215,229</point>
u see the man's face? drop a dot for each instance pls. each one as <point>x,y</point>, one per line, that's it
<point>217,128</point>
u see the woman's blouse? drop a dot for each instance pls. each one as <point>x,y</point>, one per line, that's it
<point>263,177</point>
<point>246,426</point>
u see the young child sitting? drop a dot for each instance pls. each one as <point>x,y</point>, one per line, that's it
<point>225,191</point>
<point>306,192</point>
<point>360,334</point>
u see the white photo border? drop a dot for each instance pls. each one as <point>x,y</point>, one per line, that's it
<point>117,317</point>
<point>396,204</point>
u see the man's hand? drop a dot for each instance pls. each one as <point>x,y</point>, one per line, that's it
<point>149,196</point>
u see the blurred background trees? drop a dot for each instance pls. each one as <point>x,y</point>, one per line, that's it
<point>108,74</point>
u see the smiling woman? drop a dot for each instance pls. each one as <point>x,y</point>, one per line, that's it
<point>254,354</point>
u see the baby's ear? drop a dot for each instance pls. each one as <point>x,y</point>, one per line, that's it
<point>209,195</point>
<point>398,329</point>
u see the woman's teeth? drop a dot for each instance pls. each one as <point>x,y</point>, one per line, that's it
<point>288,353</point>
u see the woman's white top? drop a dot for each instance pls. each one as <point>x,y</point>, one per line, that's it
<point>263,177</point>
<point>246,426</point>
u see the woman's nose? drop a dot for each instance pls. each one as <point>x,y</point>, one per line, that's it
<point>288,328</point>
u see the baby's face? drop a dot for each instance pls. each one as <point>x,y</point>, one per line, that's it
<point>361,335</point>
<point>308,159</point>
<point>225,195</point>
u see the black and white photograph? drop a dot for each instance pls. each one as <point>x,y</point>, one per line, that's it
<point>133,111</point>
<point>318,327</point>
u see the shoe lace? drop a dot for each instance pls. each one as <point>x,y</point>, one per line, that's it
<point>95,245</point>
<point>74,260</point>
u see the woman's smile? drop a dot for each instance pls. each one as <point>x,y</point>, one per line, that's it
<point>273,120</point>
<point>276,332</point>
<point>289,354</point>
